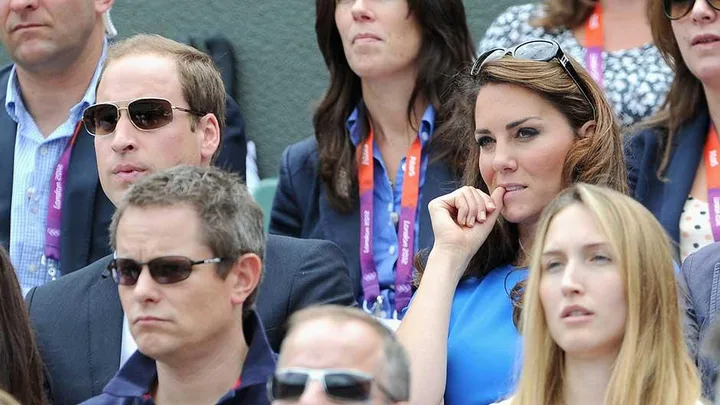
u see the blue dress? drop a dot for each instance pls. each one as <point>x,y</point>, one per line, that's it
<point>484,347</point>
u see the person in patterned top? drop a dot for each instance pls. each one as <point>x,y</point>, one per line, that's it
<point>631,70</point>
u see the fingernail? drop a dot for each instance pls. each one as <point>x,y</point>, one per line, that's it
<point>483,216</point>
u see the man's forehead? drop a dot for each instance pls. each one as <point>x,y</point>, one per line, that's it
<point>136,76</point>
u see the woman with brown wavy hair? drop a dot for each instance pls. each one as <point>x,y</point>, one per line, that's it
<point>21,370</point>
<point>540,124</point>
<point>672,161</point>
<point>610,37</point>
<point>382,148</point>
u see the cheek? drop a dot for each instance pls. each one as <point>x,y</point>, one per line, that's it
<point>486,171</point>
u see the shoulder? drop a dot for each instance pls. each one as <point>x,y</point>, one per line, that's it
<point>67,290</point>
<point>698,264</point>
<point>301,156</point>
<point>511,26</point>
<point>296,249</point>
<point>505,402</point>
<point>105,399</point>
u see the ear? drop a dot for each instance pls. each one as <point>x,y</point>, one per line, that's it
<point>208,129</point>
<point>102,6</point>
<point>244,277</point>
<point>587,130</point>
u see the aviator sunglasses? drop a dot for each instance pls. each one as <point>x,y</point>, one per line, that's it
<point>339,385</point>
<point>164,270</point>
<point>676,9</point>
<point>146,114</point>
<point>540,50</point>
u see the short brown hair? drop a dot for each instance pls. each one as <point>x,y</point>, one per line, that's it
<point>202,84</point>
<point>232,222</point>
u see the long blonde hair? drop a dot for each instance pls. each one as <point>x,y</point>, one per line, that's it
<point>653,365</point>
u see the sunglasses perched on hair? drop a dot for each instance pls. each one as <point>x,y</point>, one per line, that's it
<point>676,9</point>
<point>339,385</point>
<point>540,50</point>
<point>164,270</point>
<point>146,114</point>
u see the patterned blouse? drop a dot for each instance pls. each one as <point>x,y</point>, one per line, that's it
<point>636,80</point>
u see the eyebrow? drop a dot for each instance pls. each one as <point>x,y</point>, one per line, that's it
<point>588,246</point>
<point>509,126</point>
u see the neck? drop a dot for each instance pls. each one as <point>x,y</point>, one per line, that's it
<point>586,380</point>
<point>712,95</point>
<point>618,6</point>
<point>49,92</point>
<point>527,234</point>
<point>386,101</point>
<point>202,377</point>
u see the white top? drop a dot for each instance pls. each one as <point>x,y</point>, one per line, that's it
<point>507,402</point>
<point>695,229</point>
<point>128,346</point>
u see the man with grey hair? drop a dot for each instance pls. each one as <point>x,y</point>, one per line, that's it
<point>335,354</point>
<point>188,244</point>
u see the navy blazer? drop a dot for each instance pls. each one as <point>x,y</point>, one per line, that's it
<point>78,319</point>
<point>301,208</point>
<point>666,198</point>
<point>86,211</point>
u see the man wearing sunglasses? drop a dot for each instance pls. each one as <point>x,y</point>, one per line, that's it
<point>188,244</point>
<point>159,104</point>
<point>336,354</point>
<point>53,212</point>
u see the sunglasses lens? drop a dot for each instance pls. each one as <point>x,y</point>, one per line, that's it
<point>348,387</point>
<point>168,270</point>
<point>679,8</point>
<point>543,51</point>
<point>488,56</point>
<point>288,385</point>
<point>150,113</point>
<point>100,119</point>
<point>125,271</point>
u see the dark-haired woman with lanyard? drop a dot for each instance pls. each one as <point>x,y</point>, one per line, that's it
<point>610,37</point>
<point>381,150</point>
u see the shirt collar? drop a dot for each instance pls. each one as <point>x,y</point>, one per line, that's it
<point>13,96</point>
<point>139,373</point>
<point>427,124</point>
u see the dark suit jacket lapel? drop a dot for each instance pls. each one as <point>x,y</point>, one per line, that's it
<point>8,129</point>
<point>681,172</point>
<point>78,203</point>
<point>105,319</point>
<point>343,230</point>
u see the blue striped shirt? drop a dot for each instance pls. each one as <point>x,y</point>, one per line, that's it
<point>35,161</point>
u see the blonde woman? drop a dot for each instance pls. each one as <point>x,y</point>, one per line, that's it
<point>601,322</point>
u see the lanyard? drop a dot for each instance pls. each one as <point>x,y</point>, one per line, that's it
<point>712,176</point>
<point>406,223</point>
<point>594,44</point>
<point>54,215</point>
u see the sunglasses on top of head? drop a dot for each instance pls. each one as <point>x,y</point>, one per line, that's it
<point>163,270</point>
<point>146,114</point>
<point>539,50</point>
<point>676,9</point>
<point>339,385</point>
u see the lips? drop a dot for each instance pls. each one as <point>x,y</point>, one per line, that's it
<point>365,37</point>
<point>25,26</point>
<point>575,311</point>
<point>128,173</point>
<point>704,39</point>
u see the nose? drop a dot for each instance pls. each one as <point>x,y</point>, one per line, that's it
<point>571,283</point>
<point>20,5</point>
<point>146,289</point>
<point>124,139</point>
<point>314,394</point>
<point>503,159</point>
<point>360,11</point>
<point>702,11</point>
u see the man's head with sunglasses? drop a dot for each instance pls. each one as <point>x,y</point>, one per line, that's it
<point>159,104</point>
<point>188,245</point>
<point>334,354</point>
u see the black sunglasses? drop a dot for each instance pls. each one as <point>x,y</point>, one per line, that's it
<point>676,9</point>
<point>540,50</point>
<point>164,270</point>
<point>145,114</point>
<point>339,385</point>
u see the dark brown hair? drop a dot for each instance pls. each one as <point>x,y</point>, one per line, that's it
<point>596,159</point>
<point>202,85</point>
<point>686,97</point>
<point>446,45</point>
<point>21,369</point>
<point>565,14</point>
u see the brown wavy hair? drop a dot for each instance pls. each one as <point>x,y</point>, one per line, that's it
<point>686,97</point>
<point>21,369</point>
<point>446,45</point>
<point>565,14</point>
<point>596,159</point>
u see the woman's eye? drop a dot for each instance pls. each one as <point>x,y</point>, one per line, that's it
<point>527,132</point>
<point>484,141</point>
<point>601,258</point>
<point>552,266</point>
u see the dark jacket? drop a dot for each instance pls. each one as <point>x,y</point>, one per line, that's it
<point>301,208</point>
<point>138,375</point>
<point>78,318</point>
<point>86,211</point>
<point>666,198</point>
